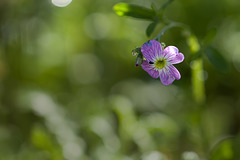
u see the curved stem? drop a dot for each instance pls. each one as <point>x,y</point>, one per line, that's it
<point>166,4</point>
<point>170,25</point>
<point>218,142</point>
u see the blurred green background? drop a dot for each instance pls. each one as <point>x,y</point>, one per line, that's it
<point>69,88</point>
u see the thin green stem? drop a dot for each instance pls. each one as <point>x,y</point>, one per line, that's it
<point>218,142</point>
<point>166,4</point>
<point>170,25</point>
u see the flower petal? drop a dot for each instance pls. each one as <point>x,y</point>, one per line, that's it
<point>177,59</point>
<point>172,54</point>
<point>151,50</point>
<point>166,77</point>
<point>150,69</point>
<point>174,72</point>
<point>170,51</point>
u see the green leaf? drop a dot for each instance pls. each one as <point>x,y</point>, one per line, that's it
<point>209,36</point>
<point>151,28</point>
<point>216,58</point>
<point>124,9</point>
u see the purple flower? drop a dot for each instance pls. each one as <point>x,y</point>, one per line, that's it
<point>159,63</point>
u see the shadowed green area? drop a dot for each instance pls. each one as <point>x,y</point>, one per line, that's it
<point>69,87</point>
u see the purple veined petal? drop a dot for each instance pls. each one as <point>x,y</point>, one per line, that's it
<point>174,72</point>
<point>149,68</point>
<point>177,59</point>
<point>171,53</point>
<point>151,50</point>
<point>166,77</point>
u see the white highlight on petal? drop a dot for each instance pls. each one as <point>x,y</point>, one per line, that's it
<point>61,3</point>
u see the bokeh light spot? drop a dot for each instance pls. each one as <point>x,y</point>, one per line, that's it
<point>61,3</point>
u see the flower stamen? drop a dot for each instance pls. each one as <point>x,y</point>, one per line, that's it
<point>161,63</point>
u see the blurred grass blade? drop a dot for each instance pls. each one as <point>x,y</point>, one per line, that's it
<point>209,36</point>
<point>151,28</point>
<point>217,59</point>
<point>124,9</point>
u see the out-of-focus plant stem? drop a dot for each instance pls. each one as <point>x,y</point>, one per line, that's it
<point>197,81</point>
<point>197,72</point>
<point>198,88</point>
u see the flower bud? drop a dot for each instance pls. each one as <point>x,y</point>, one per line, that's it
<point>139,59</point>
<point>163,45</point>
<point>136,51</point>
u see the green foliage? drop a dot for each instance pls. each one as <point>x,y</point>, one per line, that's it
<point>69,88</point>
<point>124,9</point>
<point>217,59</point>
<point>154,14</point>
<point>164,6</point>
<point>209,36</point>
<point>41,139</point>
<point>151,28</point>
